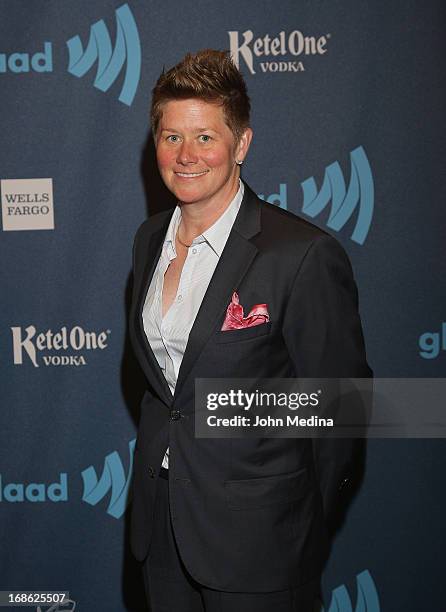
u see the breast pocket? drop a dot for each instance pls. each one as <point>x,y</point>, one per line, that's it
<point>246,333</point>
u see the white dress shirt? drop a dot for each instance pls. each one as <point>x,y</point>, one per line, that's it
<point>168,335</point>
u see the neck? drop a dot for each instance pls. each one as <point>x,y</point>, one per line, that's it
<point>198,217</point>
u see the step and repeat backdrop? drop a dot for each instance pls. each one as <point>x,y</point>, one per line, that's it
<point>349,133</point>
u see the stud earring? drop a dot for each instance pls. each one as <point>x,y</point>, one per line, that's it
<point>239,162</point>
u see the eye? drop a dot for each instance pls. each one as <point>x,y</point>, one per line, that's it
<point>205,138</point>
<point>173,138</point>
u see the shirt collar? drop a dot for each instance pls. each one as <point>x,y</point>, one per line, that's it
<point>216,235</point>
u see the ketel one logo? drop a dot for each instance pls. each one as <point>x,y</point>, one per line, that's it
<point>367,599</point>
<point>61,348</point>
<point>114,478</point>
<point>282,52</point>
<point>360,195</point>
<point>110,62</point>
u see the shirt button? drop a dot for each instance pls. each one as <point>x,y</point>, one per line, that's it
<point>179,298</point>
<point>194,251</point>
<point>151,471</point>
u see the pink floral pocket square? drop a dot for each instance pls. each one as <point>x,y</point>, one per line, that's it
<point>234,315</point>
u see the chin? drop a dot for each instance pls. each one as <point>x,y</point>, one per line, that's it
<point>189,193</point>
<point>188,197</point>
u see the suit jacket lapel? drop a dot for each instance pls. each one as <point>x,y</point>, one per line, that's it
<point>235,260</point>
<point>152,369</point>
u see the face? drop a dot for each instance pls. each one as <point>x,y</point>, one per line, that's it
<point>197,152</point>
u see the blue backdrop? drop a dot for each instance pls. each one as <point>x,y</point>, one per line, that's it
<point>348,118</point>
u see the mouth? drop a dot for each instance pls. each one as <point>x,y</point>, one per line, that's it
<point>190,175</point>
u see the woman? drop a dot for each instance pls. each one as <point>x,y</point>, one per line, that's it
<point>239,524</point>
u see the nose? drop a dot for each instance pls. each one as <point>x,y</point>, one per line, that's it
<point>186,153</point>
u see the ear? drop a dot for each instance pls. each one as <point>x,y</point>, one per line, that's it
<point>243,144</point>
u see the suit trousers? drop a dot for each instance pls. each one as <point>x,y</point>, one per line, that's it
<point>170,587</point>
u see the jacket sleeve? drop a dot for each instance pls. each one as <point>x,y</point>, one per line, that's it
<point>136,258</point>
<point>323,333</point>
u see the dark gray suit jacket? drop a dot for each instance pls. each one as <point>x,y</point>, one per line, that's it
<point>249,514</point>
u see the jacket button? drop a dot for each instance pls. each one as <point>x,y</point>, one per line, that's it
<point>343,484</point>
<point>174,414</point>
<point>151,471</point>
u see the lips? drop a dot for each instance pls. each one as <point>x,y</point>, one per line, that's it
<point>190,175</point>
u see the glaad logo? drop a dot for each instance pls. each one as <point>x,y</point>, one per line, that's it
<point>367,599</point>
<point>280,199</point>
<point>360,194</point>
<point>431,343</point>
<point>42,61</point>
<point>56,607</point>
<point>127,50</point>
<point>113,476</point>
<point>35,491</point>
<point>75,339</point>
<point>276,50</point>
